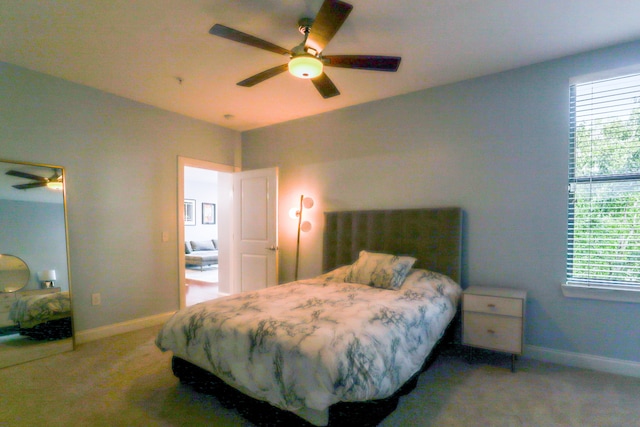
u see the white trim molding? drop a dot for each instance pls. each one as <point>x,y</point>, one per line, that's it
<point>586,361</point>
<point>88,335</point>
<point>609,293</point>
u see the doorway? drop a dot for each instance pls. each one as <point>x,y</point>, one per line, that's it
<point>204,196</point>
<point>201,234</point>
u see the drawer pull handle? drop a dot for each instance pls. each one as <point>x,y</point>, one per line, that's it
<point>491,305</point>
<point>491,331</point>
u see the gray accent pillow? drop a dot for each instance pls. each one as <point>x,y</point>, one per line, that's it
<point>203,245</point>
<point>187,247</point>
<point>380,270</point>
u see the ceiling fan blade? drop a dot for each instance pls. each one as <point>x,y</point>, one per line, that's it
<point>363,62</point>
<point>329,19</point>
<point>244,38</point>
<point>26,175</point>
<point>32,185</point>
<point>325,86</point>
<point>260,77</point>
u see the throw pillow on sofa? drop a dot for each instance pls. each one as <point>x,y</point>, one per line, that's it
<point>203,245</point>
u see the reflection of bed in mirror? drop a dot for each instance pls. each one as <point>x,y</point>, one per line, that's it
<point>337,349</point>
<point>33,231</point>
<point>43,315</point>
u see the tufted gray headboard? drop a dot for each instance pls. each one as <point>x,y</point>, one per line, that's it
<point>433,236</point>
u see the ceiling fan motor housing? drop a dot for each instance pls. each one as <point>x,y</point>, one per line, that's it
<point>304,25</point>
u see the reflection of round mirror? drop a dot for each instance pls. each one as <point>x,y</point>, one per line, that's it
<point>14,273</point>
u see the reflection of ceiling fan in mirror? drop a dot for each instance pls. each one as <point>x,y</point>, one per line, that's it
<point>54,182</point>
<point>306,60</point>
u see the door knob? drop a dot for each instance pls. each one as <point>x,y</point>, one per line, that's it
<point>272,248</point>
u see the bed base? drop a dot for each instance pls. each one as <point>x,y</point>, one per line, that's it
<point>262,414</point>
<point>50,331</point>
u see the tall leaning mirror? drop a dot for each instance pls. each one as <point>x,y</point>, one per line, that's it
<point>35,286</point>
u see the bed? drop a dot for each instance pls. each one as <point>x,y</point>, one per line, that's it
<point>43,316</point>
<point>338,349</point>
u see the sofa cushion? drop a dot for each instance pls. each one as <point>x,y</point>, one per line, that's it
<point>203,245</point>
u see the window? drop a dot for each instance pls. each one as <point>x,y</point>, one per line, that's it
<point>604,183</point>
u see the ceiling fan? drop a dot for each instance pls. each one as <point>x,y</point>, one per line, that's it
<point>306,60</point>
<point>54,181</point>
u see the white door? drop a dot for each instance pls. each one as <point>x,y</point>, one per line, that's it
<point>255,229</point>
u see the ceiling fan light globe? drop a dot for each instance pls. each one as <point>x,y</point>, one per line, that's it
<point>305,67</point>
<point>54,185</point>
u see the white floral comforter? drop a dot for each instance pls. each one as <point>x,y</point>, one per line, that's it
<point>315,342</point>
<point>32,310</point>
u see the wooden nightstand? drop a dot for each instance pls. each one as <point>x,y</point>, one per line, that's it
<point>493,319</point>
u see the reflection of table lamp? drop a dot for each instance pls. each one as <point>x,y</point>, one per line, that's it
<point>47,278</point>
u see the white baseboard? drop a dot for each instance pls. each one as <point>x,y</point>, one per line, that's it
<point>88,335</point>
<point>585,361</point>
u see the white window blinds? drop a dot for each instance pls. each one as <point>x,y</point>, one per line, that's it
<point>604,183</point>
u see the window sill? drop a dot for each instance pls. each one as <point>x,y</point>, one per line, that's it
<point>570,290</point>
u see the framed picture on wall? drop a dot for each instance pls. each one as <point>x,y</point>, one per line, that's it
<point>189,212</point>
<point>208,213</point>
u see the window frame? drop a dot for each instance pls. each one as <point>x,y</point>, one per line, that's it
<point>593,288</point>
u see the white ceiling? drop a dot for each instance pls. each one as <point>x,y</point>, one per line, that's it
<point>142,49</point>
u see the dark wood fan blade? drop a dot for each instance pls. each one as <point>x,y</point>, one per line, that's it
<point>329,19</point>
<point>32,185</point>
<point>260,77</point>
<point>26,175</point>
<point>244,38</point>
<point>325,86</point>
<point>363,62</point>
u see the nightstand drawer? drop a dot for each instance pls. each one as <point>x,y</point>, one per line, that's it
<point>493,332</point>
<point>493,305</point>
<point>43,291</point>
<point>6,301</point>
<point>5,304</point>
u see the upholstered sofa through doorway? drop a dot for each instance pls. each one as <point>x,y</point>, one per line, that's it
<point>201,253</point>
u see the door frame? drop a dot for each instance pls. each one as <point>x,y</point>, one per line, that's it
<point>195,163</point>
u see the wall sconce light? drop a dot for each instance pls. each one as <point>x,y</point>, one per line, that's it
<point>305,226</point>
<point>47,278</point>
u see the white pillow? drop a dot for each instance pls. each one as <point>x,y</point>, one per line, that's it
<point>379,270</point>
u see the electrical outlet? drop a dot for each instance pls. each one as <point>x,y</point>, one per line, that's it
<point>95,299</point>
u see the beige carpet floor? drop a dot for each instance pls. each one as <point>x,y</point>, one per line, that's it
<point>126,381</point>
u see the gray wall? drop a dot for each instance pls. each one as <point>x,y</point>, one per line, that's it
<point>495,146</point>
<point>121,164</point>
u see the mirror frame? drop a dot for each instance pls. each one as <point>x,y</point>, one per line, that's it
<point>66,236</point>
